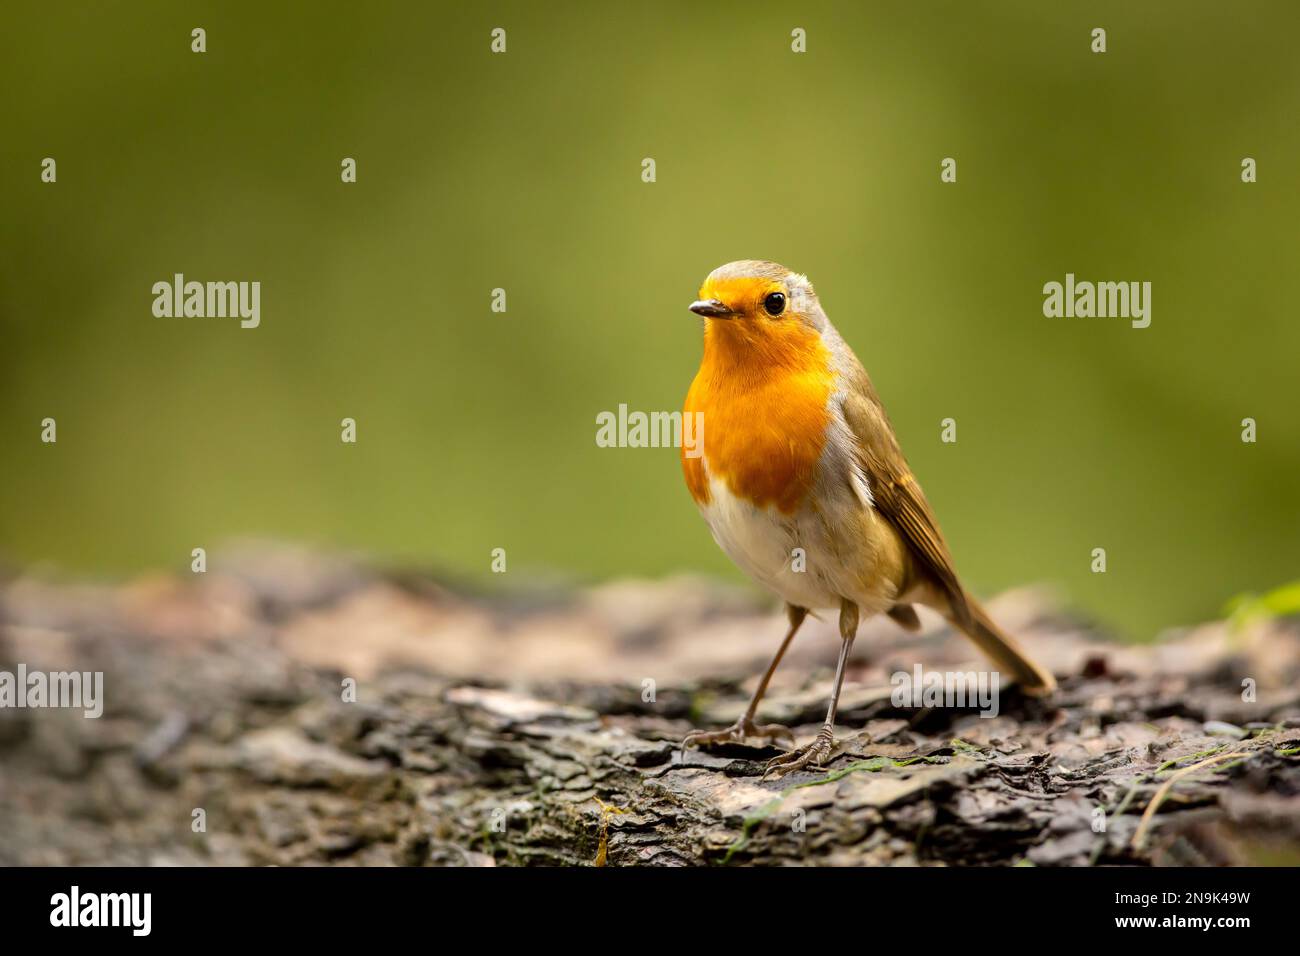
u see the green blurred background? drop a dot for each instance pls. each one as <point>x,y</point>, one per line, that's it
<point>477,430</point>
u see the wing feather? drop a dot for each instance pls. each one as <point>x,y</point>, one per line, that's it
<point>897,495</point>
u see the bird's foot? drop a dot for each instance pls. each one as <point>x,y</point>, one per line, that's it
<point>802,758</point>
<point>737,732</point>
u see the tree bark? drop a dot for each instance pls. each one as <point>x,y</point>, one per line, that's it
<point>344,719</point>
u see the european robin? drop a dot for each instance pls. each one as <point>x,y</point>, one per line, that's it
<point>799,453</point>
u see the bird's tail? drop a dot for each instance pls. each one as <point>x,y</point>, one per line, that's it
<point>1003,650</point>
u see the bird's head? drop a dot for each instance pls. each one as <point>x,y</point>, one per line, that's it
<point>759,294</point>
<point>759,306</point>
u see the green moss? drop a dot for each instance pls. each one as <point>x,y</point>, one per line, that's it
<point>1170,764</point>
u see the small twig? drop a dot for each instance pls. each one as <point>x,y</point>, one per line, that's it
<point>1139,836</point>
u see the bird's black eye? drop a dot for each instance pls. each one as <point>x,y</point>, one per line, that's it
<point>774,303</point>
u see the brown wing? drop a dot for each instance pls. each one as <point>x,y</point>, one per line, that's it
<point>893,488</point>
<point>899,498</point>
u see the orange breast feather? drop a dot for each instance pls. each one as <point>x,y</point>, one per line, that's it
<point>763,391</point>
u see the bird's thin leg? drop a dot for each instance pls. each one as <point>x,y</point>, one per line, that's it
<point>796,616</point>
<point>817,751</point>
<point>745,727</point>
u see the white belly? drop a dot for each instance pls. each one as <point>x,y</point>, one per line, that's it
<point>763,544</point>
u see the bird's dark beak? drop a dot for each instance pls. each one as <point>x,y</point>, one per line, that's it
<point>711,309</point>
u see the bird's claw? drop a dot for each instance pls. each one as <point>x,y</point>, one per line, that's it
<point>737,733</point>
<point>810,755</point>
